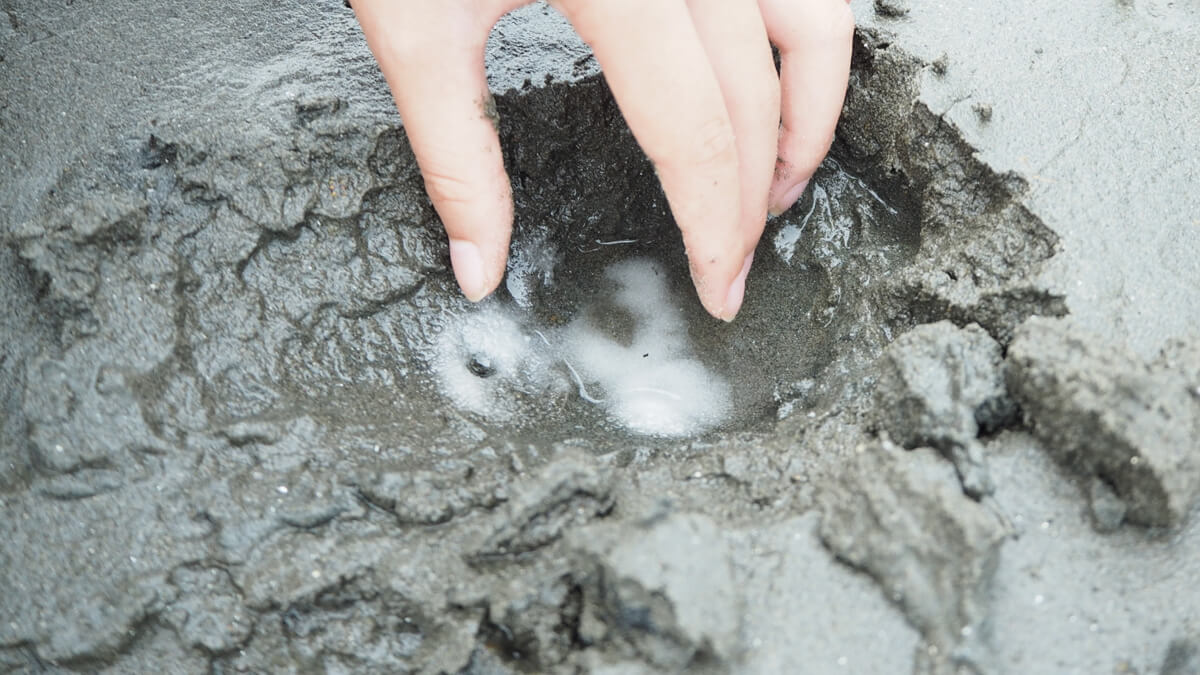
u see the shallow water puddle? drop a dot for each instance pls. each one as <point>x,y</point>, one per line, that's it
<point>595,340</point>
<point>629,355</point>
<point>601,340</point>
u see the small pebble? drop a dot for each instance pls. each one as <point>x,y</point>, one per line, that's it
<point>893,9</point>
<point>941,64</point>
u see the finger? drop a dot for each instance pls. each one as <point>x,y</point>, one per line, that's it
<point>814,40</point>
<point>735,40</point>
<point>431,53</point>
<point>660,76</point>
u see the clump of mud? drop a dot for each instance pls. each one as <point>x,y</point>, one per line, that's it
<point>262,430</point>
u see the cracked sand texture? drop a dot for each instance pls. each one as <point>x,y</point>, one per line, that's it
<point>223,447</point>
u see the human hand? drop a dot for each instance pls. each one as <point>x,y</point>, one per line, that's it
<point>696,83</point>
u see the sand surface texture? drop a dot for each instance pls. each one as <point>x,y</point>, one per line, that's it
<point>249,424</point>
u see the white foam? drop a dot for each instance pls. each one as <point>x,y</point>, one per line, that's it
<point>654,386</point>
<point>785,241</point>
<point>789,235</point>
<point>505,355</point>
<point>530,265</point>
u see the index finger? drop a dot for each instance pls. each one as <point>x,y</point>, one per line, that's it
<point>659,73</point>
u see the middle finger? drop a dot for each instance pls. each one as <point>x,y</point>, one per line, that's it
<point>660,76</point>
<point>735,38</point>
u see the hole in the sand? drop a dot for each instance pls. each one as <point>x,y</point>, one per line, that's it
<point>481,366</point>
<point>596,337</point>
<point>610,342</point>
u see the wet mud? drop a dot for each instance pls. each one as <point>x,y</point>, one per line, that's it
<point>251,425</point>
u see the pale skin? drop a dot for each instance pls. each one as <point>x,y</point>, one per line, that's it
<point>731,138</point>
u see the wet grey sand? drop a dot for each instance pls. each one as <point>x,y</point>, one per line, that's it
<point>250,426</point>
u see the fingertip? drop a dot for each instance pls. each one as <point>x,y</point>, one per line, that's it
<point>783,197</point>
<point>722,299</point>
<point>737,291</point>
<point>471,271</point>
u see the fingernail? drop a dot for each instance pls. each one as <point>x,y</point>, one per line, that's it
<point>737,291</point>
<point>785,202</point>
<point>468,269</point>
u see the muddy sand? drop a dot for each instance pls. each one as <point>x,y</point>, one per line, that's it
<point>249,425</point>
